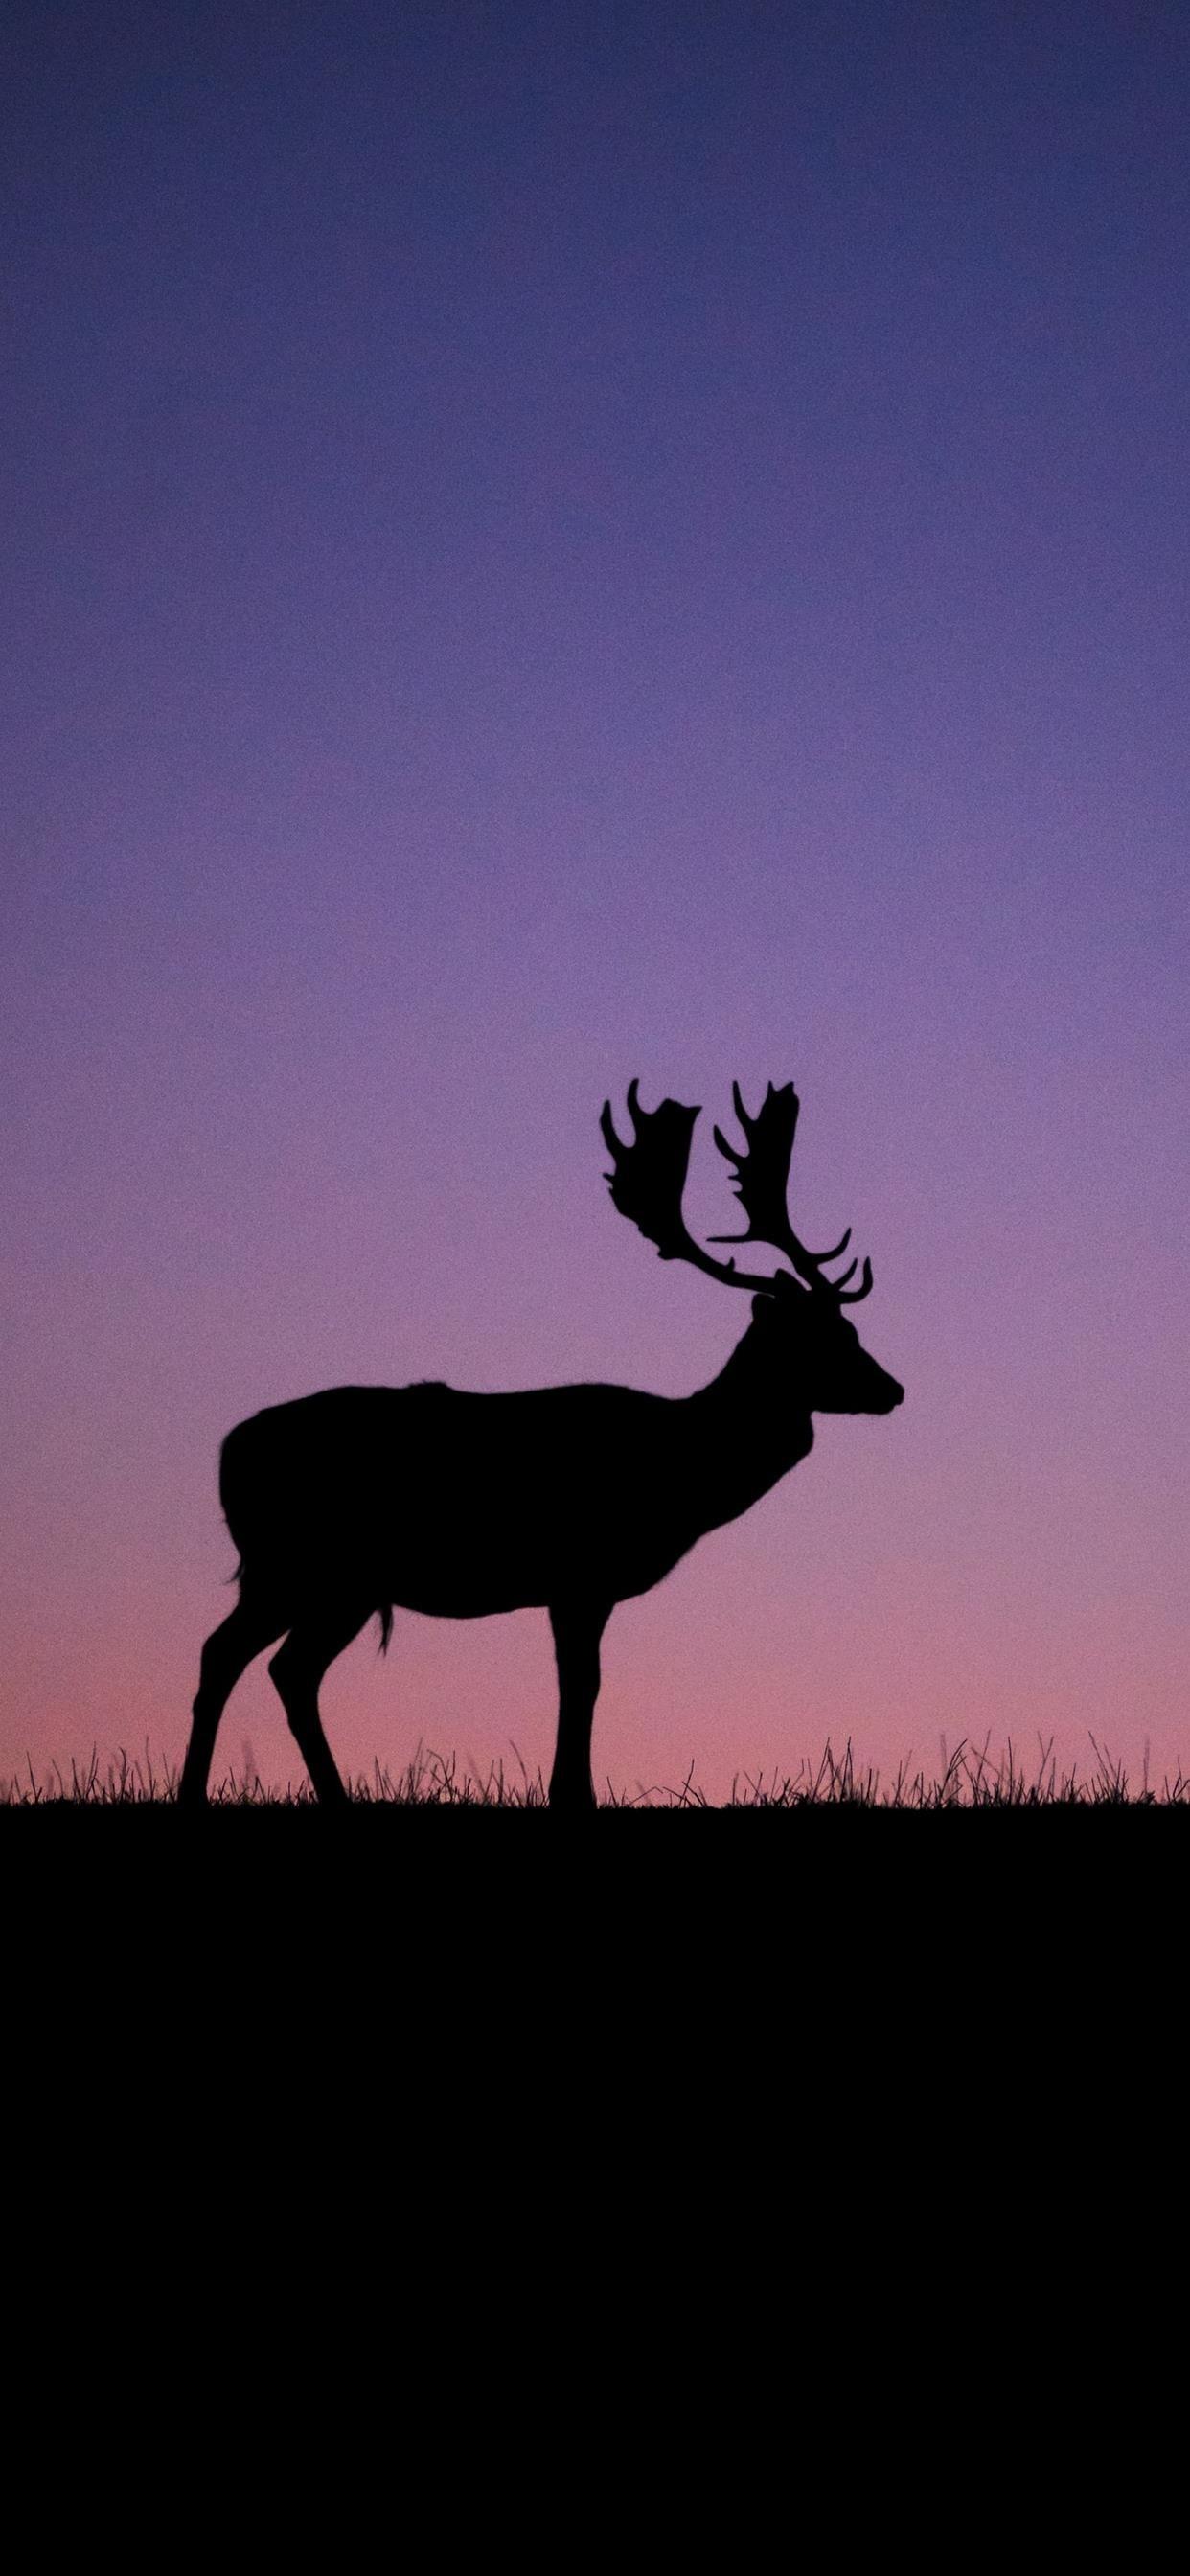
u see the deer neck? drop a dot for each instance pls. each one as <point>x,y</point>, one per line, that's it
<point>749,1426</point>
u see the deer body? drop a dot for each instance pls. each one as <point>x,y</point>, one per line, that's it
<point>461,1505</point>
<point>359,1500</point>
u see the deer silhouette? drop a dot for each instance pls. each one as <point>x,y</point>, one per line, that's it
<point>362,1499</point>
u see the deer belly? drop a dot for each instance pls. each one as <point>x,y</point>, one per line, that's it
<point>452,1566</point>
<point>455,1564</point>
<point>470,1551</point>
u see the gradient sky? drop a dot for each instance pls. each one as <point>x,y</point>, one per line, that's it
<point>548,544</point>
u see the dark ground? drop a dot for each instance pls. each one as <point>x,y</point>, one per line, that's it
<point>785,2039</point>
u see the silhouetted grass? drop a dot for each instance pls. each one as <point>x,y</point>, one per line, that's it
<point>969,1779</point>
<point>848,1939</point>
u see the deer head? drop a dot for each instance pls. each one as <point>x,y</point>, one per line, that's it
<point>799,1311</point>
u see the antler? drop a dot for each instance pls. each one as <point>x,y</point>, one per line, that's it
<point>649,1179</point>
<point>761,1182</point>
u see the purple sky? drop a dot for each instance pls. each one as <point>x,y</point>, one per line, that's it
<point>544,545</point>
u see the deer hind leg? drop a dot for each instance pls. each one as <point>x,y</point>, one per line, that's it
<point>298,1668</point>
<point>229,1650</point>
<point>577,1632</point>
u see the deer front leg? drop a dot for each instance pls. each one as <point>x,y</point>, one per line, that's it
<point>577,1631</point>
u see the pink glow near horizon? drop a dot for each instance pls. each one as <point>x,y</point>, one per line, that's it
<point>569,555</point>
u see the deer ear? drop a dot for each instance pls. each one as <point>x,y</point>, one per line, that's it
<point>784,1296</point>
